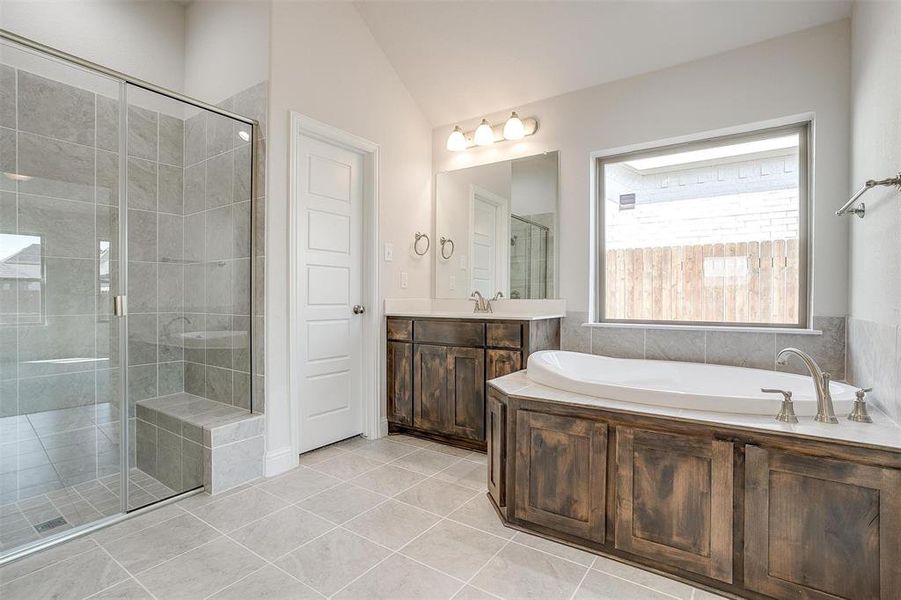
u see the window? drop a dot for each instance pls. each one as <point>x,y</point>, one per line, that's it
<point>21,279</point>
<point>711,232</point>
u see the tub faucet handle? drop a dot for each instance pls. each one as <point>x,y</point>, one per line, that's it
<point>859,412</point>
<point>787,410</point>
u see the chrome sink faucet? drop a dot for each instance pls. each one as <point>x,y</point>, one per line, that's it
<point>825,411</point>
<point>483,305</point>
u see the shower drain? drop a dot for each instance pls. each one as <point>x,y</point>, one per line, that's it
<point>51,524</point>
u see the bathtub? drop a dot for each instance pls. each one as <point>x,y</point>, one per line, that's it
<point>682,385</point>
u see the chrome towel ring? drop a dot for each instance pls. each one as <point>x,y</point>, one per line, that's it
<point>444,241</point>
<point>428,243</point>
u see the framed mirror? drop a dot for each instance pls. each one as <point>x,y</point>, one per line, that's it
<point>496,229</point>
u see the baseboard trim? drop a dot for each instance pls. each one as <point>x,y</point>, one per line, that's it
<point>279,461</point>
<point>383,428</point>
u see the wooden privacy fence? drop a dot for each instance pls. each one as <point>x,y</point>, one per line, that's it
<point>736,282</point>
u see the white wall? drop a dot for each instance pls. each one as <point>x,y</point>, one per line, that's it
<point>802,73</point>
<point>533,190</point>
<point>325,64</point>
<point>876,154</point>
<point>142,39</point>
<point>874,327</point>
<point>226,48</point>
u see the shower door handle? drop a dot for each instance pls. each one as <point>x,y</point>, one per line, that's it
<point>120,306</point>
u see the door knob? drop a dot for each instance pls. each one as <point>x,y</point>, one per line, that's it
<point>359,309</point>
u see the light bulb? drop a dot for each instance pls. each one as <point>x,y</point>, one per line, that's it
<point>513,128</point>
<point>456,141</point>
<point>484,135</point>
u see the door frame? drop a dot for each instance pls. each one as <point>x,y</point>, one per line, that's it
<point>370,361</point>
<point>501,232</point>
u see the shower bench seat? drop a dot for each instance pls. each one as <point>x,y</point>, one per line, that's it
<point>187,441</point>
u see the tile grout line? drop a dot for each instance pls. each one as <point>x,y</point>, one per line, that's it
<point>126,571</point>
<point>584,577</point>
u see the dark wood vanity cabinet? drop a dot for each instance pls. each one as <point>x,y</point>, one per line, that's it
<point>821,529</point>
<point>438,369</point>
<point>753,514</point>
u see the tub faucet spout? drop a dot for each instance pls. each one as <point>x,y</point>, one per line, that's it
<point>825,411</point>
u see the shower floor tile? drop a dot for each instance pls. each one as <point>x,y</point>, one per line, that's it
<point>258,543</point>
<point>75,504</point>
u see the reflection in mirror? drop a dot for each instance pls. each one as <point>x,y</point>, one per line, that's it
<point>503,219</point>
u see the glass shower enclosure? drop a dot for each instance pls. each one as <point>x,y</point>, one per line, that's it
<point>125,285</point>
<point>529,258</point>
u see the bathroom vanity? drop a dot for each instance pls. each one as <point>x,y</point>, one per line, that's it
<point>438,365</point>
<point>738,503</point>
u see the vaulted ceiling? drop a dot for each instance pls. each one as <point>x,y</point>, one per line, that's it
<point>463,59</point>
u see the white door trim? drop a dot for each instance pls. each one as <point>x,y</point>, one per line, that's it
<point>502,234</point>
<point>371,375</point>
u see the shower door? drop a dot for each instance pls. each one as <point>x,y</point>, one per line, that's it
<point>125,291</point>
<point>62,443</point>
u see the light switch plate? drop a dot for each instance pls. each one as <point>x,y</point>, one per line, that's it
<point>404,280</point>
<point>389,251</point>
<point>453,282</point>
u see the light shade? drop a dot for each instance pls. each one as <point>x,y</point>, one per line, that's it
<point>484,136</point>
<point>456,141</point>
<point>513,128</point>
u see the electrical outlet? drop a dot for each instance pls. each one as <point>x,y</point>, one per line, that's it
<point>389,251</point>
<point>404,280</point>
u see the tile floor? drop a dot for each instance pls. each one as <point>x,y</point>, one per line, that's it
<point>393,518</point>
<point>77,505</point>
<point>46,451</point>
<point>63,463</point>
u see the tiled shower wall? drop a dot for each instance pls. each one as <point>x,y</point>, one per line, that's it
<point>736,348</point>
<point>218,252</point>
<point>61,141</point>
<point>189,248</point>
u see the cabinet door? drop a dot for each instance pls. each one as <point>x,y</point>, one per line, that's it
<point>497,449</point>
<point>429,387</point>
<point>502,362</point>
<point>674,500</point>
<point>466,392</point>
<point>821,529</point>
<point>400,383</point>
<point>561,473</point>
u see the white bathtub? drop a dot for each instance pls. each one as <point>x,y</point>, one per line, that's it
<point>684,385</point>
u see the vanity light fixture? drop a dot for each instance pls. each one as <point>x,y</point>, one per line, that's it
<point>514,128</point>
<point>484,134</point>
<point>456,141</point>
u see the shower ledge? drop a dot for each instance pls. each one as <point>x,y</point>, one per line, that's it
<point>229,439</point>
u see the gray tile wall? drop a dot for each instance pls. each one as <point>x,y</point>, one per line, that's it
<point>737,348</point>
<point>59,185</point>
<point>218,255</point>
<point>874,360</point>
<point>189,248</point>
<point>156,277</point>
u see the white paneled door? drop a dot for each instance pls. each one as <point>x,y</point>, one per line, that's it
<point>330,193</point>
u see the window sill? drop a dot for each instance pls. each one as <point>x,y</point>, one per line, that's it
<point>727,328</point>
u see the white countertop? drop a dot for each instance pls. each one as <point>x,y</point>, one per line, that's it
<point>882,433</point>
<point>458,308</point>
